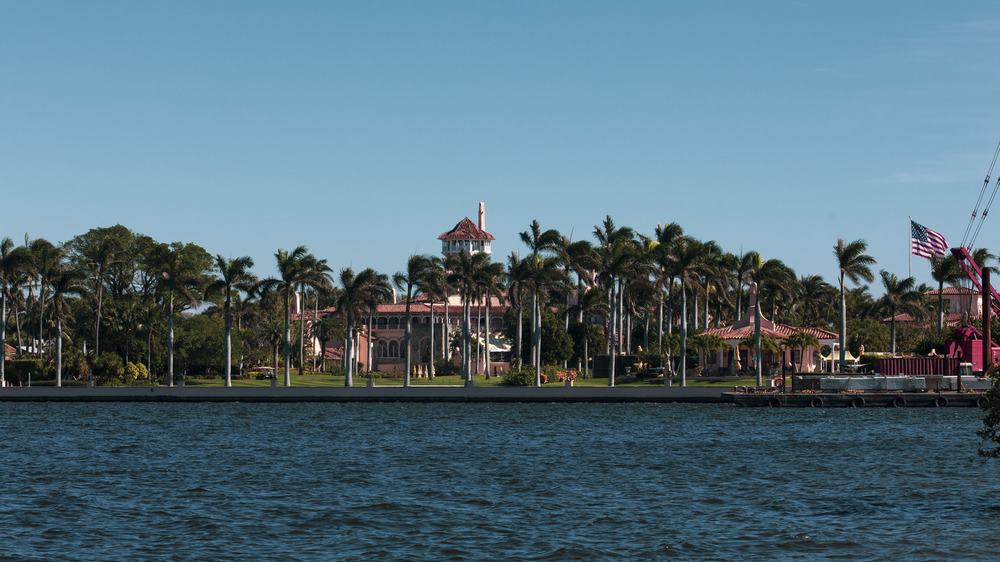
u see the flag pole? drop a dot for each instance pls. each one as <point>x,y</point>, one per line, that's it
<point>909,242</point>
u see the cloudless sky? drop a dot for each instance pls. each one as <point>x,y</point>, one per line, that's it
<point>364,130</point>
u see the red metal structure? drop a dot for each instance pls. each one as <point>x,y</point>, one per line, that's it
<point>969,343</point>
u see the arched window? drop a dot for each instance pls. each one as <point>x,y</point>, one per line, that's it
<point>393,349</point>
<point>382,349</point>
<point>394,322</point>
<point>381,321</point>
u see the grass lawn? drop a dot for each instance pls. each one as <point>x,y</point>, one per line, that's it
<point>325,379</point>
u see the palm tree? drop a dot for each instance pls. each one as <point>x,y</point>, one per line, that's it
<point>326,329</point>
<point>12,261</point>
<point>435,286</point>
<point>293,270</point>
<point>357,291</point>
<point>900,295</point>
<point>517,280</point>
<point>235,274</point>
<point>689,258</point>
<point>538,242</point>
<point>590,303</point>
<point>463,271</point>
<point>944,270</point>
<point>488,279</point>
<point>315,276</point>
<point>44,259</point>
<point>418,269</point>
<point>660,249</point>
<point>854,264</point>
<point>803,341</point>
<point>814,294</point>
<point>616,261</point>
<point>64,281</point>
<point>180,273</point>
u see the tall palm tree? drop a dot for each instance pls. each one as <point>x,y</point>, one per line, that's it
<point>854,264</point>
<point>12,261</point>
<point>463,271</point>
<point>814,294</point>
<point>315,275</point>
<point>45,258</point>
<point>234,274</point>
<point>900,295</point>
<point>293,270</point>
<point>326,329</point>
<point>538,242</point>
<point>660,248</point>
<point>435,286</point>
<point>418,268</point>
<point>181,273</point>
<point>688,260</point>
<point>945,270</point>
<point>357,291</point>
<point>617,259</point>
<point>488,278</point>
<point>803,341</point>
<point>64,281</point>
<point>591,302</point>
<point>517,280</point>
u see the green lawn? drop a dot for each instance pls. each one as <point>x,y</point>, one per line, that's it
<point>325,379</point>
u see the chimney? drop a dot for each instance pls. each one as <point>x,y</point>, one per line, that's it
<point>482,216</point>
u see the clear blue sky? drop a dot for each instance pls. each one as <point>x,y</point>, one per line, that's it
<point>363,130</point>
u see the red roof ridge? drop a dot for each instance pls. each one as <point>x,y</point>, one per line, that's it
<point>466,230</point>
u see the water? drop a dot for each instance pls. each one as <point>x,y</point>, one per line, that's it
<point>488,481</point>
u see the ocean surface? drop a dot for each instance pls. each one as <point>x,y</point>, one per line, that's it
<point>329,481</point>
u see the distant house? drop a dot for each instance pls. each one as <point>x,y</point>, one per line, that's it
<point>738,357</point>
<point>388,330</point>
<point>960,304</point>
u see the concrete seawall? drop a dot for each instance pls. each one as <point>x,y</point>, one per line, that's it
<point>365,394</point>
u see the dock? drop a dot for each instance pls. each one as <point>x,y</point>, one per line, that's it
<point>858,399</point>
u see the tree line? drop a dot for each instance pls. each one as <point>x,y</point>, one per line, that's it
<point>112,300</point>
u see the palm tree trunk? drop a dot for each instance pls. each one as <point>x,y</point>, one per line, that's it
<point>611,340</point>
<point>446,332</point>
<point>430,368</point>
<point>479,336</point>
<point>586,351</point>
<point>349,355</point>
<point>683,345</point>
<point>466,340</point>
<point>315,319</point>
<point>406,342</point>
<point>229,345</point>
<point>538,343</point>
<point>302,334</point>
<point>659,326</point>
<point>288,338</point>
<point>843,326</point>
<point>369,345</point>
<point>41,314</point>
<point>3,336</point>
<point>58,350</point>
<point>97,324</point>
<point>486,335</point>
<point>170,340</point>
<point>520,330</point>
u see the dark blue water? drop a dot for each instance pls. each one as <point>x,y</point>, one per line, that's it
<point>488,481</point>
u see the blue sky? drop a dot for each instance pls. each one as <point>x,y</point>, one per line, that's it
<point>364,130</point>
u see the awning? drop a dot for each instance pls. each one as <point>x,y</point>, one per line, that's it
<point>498,343</point>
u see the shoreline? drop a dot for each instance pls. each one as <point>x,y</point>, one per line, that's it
<point>365,394</point>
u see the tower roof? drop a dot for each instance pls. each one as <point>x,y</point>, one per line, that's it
<point>466,230</point>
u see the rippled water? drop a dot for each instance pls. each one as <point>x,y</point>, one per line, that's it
<point>475,481</point>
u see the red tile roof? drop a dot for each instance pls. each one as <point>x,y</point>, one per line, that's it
<point>780,331</point>
<point>954,291</point>
<point>9,348</point>
<point>466,230</point>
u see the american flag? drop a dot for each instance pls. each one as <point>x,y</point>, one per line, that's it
<point>925,242</point>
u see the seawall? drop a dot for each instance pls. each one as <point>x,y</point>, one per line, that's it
<point>365,394</point>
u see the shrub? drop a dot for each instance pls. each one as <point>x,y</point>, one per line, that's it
<point>143,371</point>
<point>108,367</point>
<point>519,377</point>
<point>131,373</point>
<point>446,367</point>
<point>18,369</point>
<point>563,375</point>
